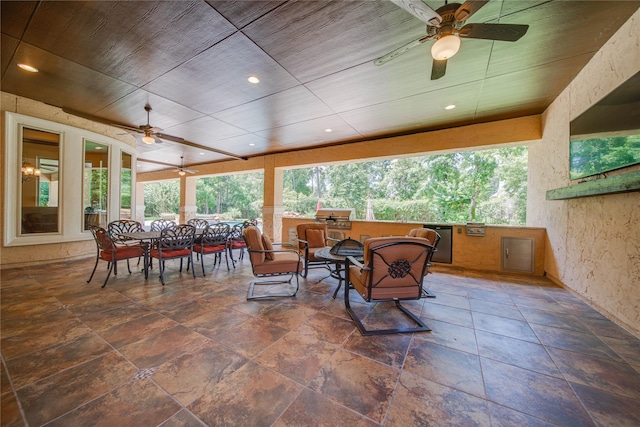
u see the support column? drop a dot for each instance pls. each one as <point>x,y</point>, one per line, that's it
<point>139,202</point>
<point>272,208</point>
<point>188,208</point>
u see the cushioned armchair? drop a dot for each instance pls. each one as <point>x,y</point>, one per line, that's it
<point>392,270</point>
<point>269,262</point>
<point>311,237</point>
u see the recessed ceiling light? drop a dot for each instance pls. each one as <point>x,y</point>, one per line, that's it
<point>28,68</point>
<point>202,154</point>
<point>253,79</point>
<point>328,130</point>
<point>450,107</point>
<point>252,144</point>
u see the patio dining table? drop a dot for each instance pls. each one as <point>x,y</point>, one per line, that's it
<point>339,261</point>
<point>147,238</point>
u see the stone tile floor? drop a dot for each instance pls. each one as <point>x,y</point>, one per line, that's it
<point>503,351</point>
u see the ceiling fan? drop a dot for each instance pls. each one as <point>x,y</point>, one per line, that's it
<point>182,170</point>
<point>446,26</point>
<point>150,135</point>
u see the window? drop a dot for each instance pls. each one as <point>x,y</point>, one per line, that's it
<point>40,179</point>
<point>125,186</point>
<point>96,184</point>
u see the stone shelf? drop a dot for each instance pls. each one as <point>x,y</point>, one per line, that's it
<point>616,184</point>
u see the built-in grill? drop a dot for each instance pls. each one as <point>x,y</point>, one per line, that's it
<point>338,221</point>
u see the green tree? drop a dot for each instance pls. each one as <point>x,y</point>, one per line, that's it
<point>161,197</point>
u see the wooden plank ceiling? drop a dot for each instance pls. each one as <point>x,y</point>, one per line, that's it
<point>190,61</point>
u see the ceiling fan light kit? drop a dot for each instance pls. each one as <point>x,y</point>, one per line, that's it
<point>445,47</point>
<point>148,139</point>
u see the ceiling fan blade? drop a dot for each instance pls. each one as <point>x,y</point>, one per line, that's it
<point>468,8</point>
<point>438,68</point>
<point>501,32</point>
<point>158,140</point>
<point>421,11</point>
<point>399,51</point>
<point>157,136</point>
<point>201,147</point>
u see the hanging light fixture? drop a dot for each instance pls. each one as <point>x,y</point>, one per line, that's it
<point>147,138</point>
<point>445,47</point>
<point>29,172</point>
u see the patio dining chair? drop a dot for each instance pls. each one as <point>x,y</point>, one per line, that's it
<point>174,243</point>
<point>109,251</point>
<point>393,270</point>
<point>198,223</point>
<point>213,240</point>
<point>117,228</point>
<point>235,240</point>
<point>161,224</point>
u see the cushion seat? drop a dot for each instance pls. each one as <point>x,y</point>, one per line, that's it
<point>170,253</point>
<point>122,252</point>
<point>208,249</point>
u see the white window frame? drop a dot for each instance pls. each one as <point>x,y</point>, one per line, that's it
<point>71,180</point>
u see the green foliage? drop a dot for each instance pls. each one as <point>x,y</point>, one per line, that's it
<point>482,186</point>
<point>125,189</point>
<point>231,196</point>
<point>161,198</point>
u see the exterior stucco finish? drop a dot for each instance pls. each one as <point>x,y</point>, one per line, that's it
<point>593,243</point>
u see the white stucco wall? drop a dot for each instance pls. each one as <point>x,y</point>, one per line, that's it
<point>594,242</point>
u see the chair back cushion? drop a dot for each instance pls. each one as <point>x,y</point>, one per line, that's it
<point>103,240</point>
<point>425,233</point>
<point>268,246</point>
<point>316,238</point>
<point>304,228</point>
<point>253,239</point>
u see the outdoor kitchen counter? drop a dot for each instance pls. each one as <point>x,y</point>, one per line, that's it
<point>471,252</point>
